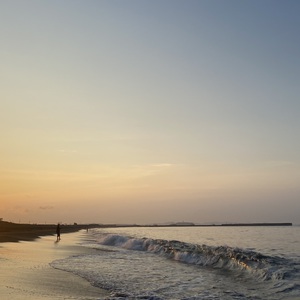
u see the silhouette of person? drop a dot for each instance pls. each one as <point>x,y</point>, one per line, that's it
<point>58,232</point>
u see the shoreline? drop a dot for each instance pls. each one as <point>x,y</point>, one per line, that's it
<point>12,232</point>
<point>26,272</point>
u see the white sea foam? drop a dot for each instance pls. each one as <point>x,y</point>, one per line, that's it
<point>134,267</point>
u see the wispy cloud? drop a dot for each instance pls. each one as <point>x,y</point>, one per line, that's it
<point>47,207</point>
<point>67,151</point>
<point>146,169</point>
<point>162,165</point>
<point>21,209</point>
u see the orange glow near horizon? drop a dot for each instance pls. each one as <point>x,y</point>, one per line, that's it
<point>135,114</point>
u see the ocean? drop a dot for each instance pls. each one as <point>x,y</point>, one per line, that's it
<point>188,263</point>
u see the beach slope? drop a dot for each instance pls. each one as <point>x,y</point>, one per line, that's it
<point>26,273</point>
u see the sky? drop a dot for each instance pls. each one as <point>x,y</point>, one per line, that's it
<point>147,112</point>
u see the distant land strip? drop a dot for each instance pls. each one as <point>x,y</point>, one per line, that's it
<point>258,224</point>
<point>187,224</point>
<point>12,232</point>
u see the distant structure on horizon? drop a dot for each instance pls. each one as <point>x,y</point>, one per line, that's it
<point>257,224</point>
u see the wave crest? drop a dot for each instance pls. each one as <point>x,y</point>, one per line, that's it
<point>261,266</point>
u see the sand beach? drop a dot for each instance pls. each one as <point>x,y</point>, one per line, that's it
<point>26,273</point>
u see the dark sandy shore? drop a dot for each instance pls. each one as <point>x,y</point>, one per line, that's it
<point>12,232</point>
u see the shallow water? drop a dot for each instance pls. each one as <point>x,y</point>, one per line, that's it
<point>192,262</point>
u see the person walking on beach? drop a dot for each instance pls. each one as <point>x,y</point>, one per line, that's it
<point>58,232</point>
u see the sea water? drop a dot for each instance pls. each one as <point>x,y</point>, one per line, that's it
<point>191,262</point>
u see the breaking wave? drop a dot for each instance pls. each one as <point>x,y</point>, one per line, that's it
<point>223,257</point>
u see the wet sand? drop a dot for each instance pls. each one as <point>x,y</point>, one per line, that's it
<point>26,273</point>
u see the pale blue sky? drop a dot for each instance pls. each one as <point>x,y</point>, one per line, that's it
<point>150,111</point>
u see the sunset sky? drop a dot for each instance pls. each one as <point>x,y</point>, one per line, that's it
<point>154,111</point>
